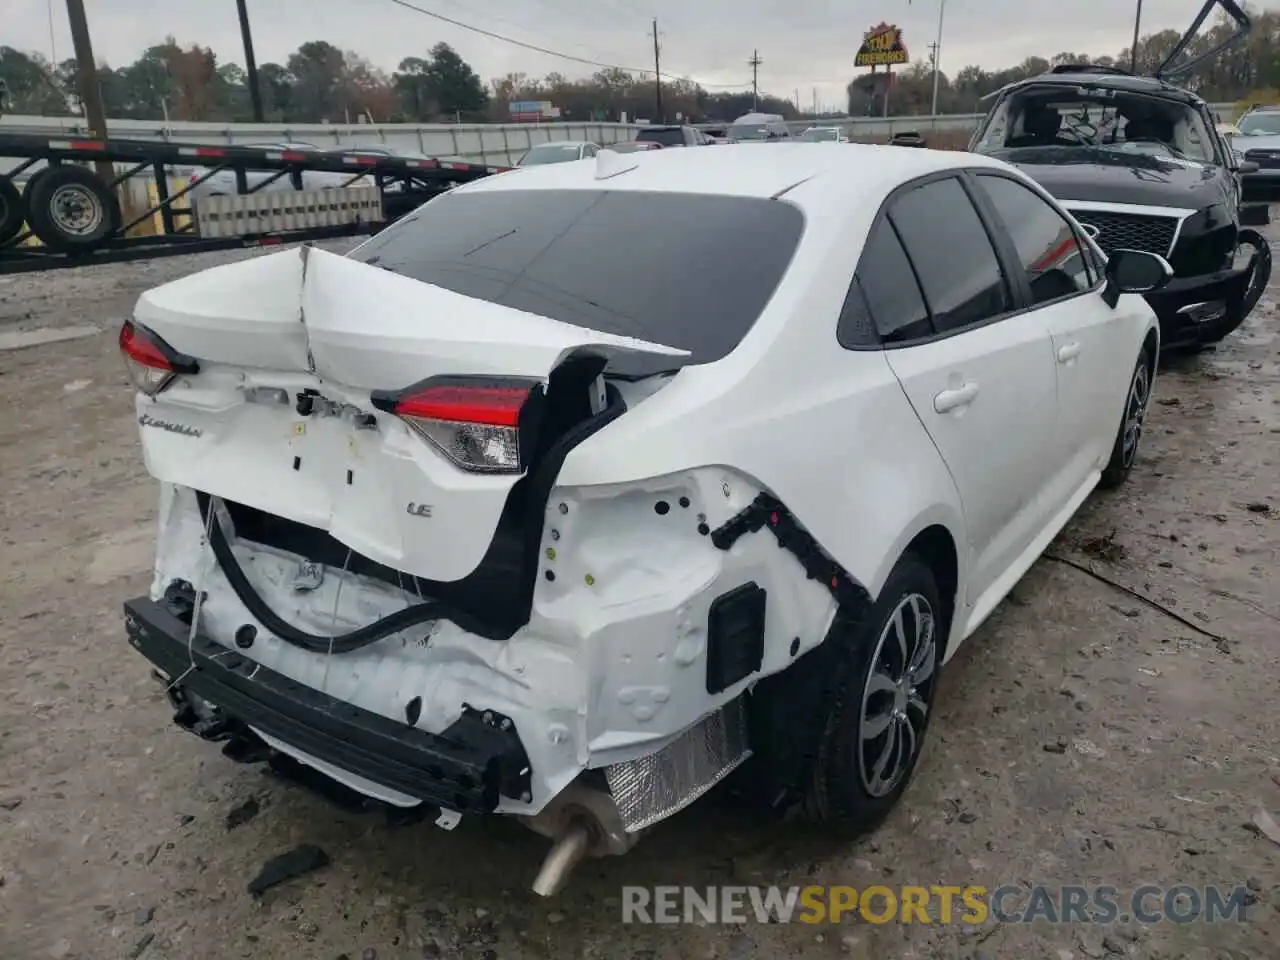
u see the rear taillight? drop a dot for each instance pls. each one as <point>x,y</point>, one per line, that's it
<point>474,421</point>
<point>152,363</point>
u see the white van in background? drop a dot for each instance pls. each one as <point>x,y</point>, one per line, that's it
<point>759,127</point>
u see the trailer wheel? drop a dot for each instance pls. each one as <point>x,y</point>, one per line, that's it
<point>71,209</point>
<point>12,212</point>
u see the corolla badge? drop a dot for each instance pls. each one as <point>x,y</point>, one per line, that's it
<point>418,509</point>
<point>169,426</point>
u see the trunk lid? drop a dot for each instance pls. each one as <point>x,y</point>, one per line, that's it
<point>302,320</point>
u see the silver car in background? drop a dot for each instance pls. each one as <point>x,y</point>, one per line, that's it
<point>558,151</point>
<point>823,135</point>
<point>1257,140</point>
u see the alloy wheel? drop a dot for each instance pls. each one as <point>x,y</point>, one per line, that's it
<point>896,697</point>
<point>1135,413</point>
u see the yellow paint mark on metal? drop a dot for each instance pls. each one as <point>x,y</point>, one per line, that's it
<point>299,428</point>
<point>551,553</point>
<point>590,580</point>
<point>153,198</point>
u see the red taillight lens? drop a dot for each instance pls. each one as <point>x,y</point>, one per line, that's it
<point>475,422</point>
<point>152,364</point>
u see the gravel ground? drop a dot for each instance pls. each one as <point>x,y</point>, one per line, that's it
<point>1083,736</point>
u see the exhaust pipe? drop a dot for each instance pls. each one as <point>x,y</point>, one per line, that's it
<point>582,822</point>
<point>565,854</point>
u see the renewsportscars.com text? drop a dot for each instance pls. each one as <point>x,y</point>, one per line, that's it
<point>938,904</point>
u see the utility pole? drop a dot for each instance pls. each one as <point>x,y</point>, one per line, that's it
<point>933,62</point>
<point>657,75</point>
<point>815,101</point>
<point>250,63</point>
<point>1133,51</point>
<point>937,52</point>
<point>90,89</point>
<point>754,63</point>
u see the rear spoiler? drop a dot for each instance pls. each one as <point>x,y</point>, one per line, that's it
<point>1170,69</point>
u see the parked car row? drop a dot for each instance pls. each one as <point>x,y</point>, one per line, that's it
<point>648,138</point>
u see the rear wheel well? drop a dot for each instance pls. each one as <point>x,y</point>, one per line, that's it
<point>935,546</point>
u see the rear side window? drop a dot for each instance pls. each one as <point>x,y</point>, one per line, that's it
<point>668,138</point>
<point>946,241</point>
<point>886,287</point>
<point>1050,253</point>
<point>691,271</point>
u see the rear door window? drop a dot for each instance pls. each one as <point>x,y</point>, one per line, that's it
<point>692,271</point>
<point>885,286</point>
<point>949,247</point>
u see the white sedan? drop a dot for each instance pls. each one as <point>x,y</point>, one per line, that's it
<point>570,491</point>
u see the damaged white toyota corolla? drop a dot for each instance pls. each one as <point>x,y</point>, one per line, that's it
<point>573,490</point>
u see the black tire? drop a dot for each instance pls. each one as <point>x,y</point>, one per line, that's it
<point>843,789</point>
<point>32,180</point>
<point>13,212</point>
<point>71,209</point>
<point>1129,437</point>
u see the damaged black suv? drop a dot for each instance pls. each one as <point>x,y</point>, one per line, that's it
<point>1139,163</point>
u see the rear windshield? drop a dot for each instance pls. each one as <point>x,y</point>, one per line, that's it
<point>668,138</point>
<point>691,271</point>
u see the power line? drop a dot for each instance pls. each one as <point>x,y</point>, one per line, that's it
<point>511,40</point>
<point>539,49</point>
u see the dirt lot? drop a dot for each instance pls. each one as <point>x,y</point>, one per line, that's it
<point>1083,736</point>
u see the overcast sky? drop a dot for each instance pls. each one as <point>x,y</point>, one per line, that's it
<point>804,44</point>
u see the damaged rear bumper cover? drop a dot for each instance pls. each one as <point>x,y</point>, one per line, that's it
<point>467,768</point>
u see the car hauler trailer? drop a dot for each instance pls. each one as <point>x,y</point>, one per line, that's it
<point>76,216</point>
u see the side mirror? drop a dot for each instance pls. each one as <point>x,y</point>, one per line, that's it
<point>1247,166</point>
<point>1255,214</point>
<point>1135,271</point>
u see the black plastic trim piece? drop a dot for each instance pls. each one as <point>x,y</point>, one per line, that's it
<point>767,511</point>
<point>466,768</point>
<point>735,636</point>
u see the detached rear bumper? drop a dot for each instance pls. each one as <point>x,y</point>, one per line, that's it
<point>467,768</point>
<point>1203,309</point>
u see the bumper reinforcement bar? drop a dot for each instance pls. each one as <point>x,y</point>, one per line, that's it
<point>478,759</point>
